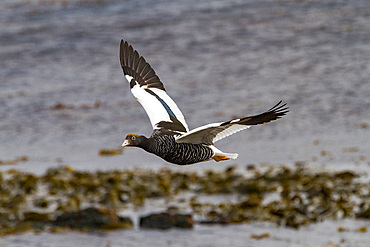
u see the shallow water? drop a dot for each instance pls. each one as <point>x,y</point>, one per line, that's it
<point>321,234</point>
<point>217,59</point>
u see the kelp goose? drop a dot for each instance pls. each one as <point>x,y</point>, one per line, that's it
<point>171,138</point>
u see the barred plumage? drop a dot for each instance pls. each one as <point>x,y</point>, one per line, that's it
<point>168,149</point>
<point>171,138</point>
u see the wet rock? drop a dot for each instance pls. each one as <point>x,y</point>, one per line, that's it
<point>286,196</point>
<point>347,175</point>
<point>41,203</point>
<point>92,218</point>
<point>161,221</point>
<point>364,214</point>
<point>251,167</point>
<point>166,221</point>
<point>183,221</point>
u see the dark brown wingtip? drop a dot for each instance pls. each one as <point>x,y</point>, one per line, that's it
<point>136,66</point>
<point>275,112</point>
<point>121,54</point>
<point>279,109</point>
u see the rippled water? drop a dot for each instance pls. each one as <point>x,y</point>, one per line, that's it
<point>321,234</point>
<point>217,59</point>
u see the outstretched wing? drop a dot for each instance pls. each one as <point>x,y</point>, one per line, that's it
<point>214,132</point>
<point>145,85</point>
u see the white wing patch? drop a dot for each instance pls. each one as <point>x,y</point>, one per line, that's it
<point>210,133</point>
<point>147,88</point>
<point>197,135</point>
<point>156,112</point>
<point>129,78</point>
<point>164,96</point>
<point>229,131</point>
<point>153,107</point>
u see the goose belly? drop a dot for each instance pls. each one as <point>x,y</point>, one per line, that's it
<point>182,153</point>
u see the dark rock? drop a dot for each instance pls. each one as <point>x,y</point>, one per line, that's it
<point>251,167</point>
<point>183,220</point>
<point>253,201</point>
<point>364,214</point>
<point>157,221</point>
<point>93,218</point>
<point>41,203</point>
<point>165,221</point>
<point>346,175</point>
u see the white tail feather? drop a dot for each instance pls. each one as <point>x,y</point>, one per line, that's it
<point>218,152</point>
<point>233,156</point>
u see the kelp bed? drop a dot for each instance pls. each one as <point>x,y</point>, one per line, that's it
<point>290,197</point>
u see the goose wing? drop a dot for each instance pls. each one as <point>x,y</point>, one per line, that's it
<point>211,133</point>
<point>147,88</point>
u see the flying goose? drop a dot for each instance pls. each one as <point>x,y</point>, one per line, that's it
<point>171,138</point>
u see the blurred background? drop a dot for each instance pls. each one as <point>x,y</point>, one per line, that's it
<point>63,96</point>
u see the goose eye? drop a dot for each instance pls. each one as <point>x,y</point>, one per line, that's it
<point>133,138</point>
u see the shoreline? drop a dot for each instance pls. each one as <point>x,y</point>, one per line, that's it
<point>285,196</point>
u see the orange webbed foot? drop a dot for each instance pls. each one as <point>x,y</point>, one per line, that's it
<point>220,158</point>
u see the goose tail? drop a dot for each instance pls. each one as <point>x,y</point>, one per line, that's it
<point>219,155</point>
